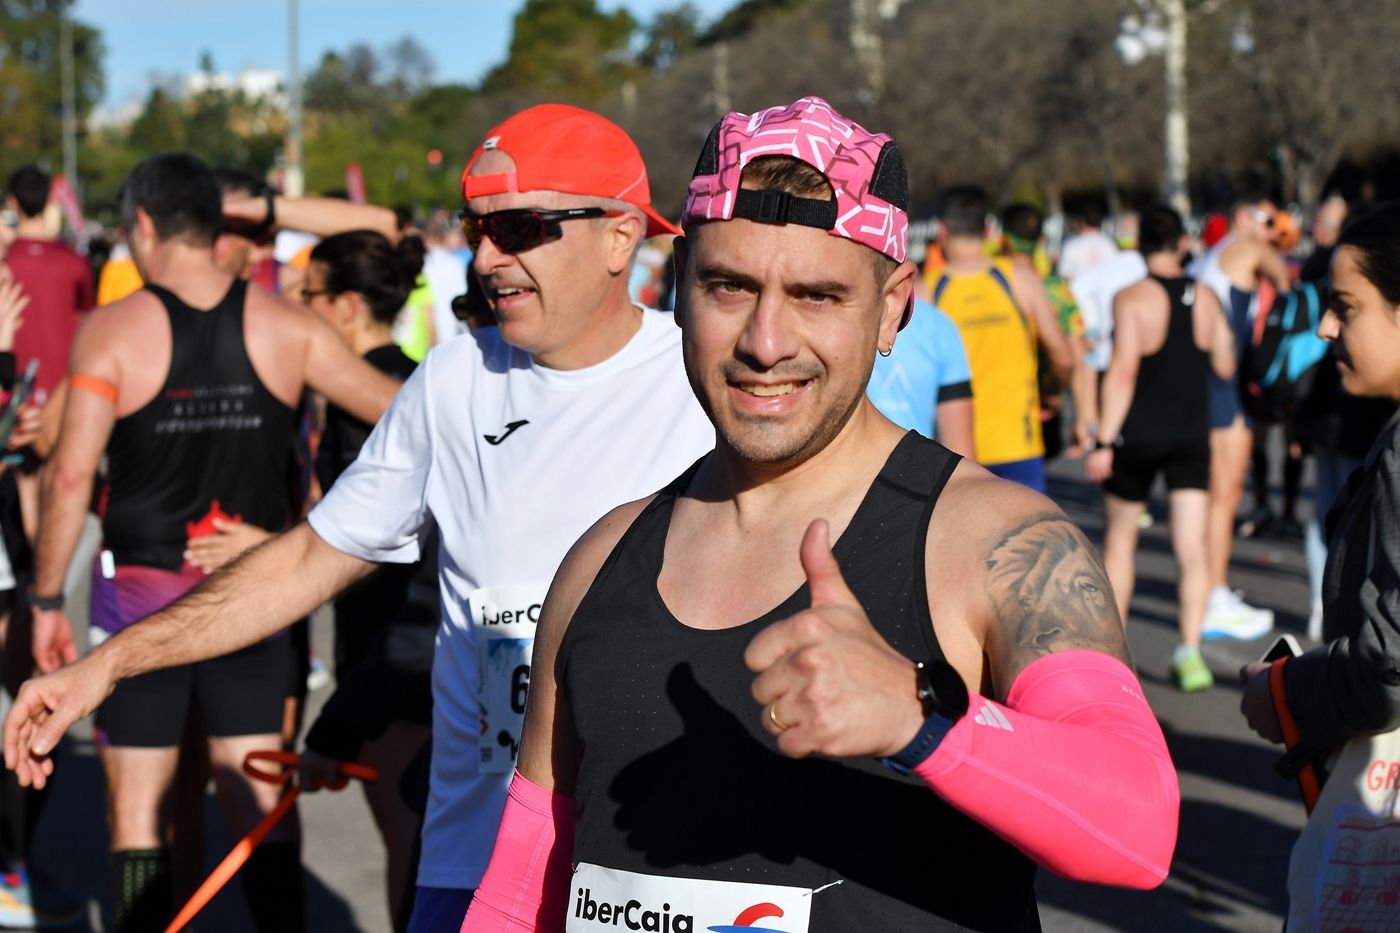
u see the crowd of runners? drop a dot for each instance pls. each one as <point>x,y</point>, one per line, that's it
<point>648,538</point>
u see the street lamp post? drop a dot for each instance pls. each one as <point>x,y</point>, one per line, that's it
<point>294,182</point>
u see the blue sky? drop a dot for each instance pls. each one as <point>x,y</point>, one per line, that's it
<point>465,37</point>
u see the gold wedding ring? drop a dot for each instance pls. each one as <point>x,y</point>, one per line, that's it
<point>773,717</point>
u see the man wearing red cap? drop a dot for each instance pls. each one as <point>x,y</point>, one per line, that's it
<point>512,440</point>
<point>941,701</point>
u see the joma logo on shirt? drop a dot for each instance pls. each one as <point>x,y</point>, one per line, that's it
<point>494,439</point>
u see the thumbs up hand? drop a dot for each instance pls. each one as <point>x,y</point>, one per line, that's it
<point>828,683</point>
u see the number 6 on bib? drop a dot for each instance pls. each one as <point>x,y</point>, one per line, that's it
<point>504,620</point>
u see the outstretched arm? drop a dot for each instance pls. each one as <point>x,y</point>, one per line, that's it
<point>322,216</point>
<point>257,595</point>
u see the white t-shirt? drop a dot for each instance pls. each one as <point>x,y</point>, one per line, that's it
<point>1082,252</point>
<point>446,273</point>
<point>514,462</point>
<point>1207,271</point>
<point>1093,291</point>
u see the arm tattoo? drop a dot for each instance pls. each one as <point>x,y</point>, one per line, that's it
<point>1050,594</point>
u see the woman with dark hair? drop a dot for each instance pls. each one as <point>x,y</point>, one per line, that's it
<point>1338,705</point>
<point>384,627</point>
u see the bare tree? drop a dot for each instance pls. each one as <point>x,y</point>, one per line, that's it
<point>1316,66</point>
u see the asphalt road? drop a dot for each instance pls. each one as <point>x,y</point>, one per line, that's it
<point>1238,818</point>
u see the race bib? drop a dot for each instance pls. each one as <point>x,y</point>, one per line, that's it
<point>504,619</point>
<point>612,899</point>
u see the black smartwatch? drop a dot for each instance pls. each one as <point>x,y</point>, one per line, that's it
<point>47,603</point>
<point>265,229</point>
<point>943,696</point>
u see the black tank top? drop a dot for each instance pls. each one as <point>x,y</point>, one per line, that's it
<point>678,779</point>
<point>1171,401</point>
<point>213,433</point>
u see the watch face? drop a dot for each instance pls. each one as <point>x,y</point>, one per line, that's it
<point>941,689</point>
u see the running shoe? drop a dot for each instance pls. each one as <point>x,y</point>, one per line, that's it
<point>1189,671</point>
<point>1229,616</point>
<point>17,910</point>
<point>317,676</point>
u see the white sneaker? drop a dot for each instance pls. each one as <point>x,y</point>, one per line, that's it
<point>1229,616</point>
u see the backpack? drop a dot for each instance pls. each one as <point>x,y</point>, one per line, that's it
<point>1278,368</point>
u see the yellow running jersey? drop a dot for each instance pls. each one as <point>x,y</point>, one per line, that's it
<point>1001,352</point>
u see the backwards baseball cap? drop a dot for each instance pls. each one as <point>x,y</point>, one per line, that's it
<point>560,148</point>
<point>865,169</point>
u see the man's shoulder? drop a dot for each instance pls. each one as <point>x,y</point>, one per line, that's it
<point>121,328</point>
<point>978,511</point>
<point>1143,290</point>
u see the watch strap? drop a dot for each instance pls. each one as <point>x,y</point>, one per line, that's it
<point>924,743</point>
<point>944,699</point>
<point>46,603</point>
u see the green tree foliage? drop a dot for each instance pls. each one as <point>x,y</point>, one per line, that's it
<point>673,33</point>
<point>566,50</point>
<point>382,111</point>
<point>31,89</point>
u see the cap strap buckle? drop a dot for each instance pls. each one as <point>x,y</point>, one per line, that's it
<point>779,207</point>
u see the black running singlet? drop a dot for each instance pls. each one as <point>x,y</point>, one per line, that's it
<point>677,778</point>
<point>213,433</point>
<point>1171,402</point>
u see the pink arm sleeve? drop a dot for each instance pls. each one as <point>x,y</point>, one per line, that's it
<point>1073,771</point>
<point>526,887</point>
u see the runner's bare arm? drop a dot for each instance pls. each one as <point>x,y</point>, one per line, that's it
<point>1273,268</point>
<point>255,596</point>
<point>85,426</point>
<point>1031,293</point>
<point>1221,345</point>
<point>1058,751</point>
<point>334,370</point>
<point>322,216</point>
<point>548,748</point>
<point>1043,590</point>
<point>1120,380</point>
<point>1085,389</point>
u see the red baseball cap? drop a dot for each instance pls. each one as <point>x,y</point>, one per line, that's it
<point>561,148</point>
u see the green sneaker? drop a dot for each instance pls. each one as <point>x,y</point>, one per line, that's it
<point>1190,672</point>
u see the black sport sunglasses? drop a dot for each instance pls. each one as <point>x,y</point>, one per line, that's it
<point>518,230</point>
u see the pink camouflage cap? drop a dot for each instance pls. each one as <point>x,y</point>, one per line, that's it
<point>865,169</point>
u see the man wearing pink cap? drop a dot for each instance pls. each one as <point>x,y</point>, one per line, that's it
<point>511,440</point>
<point>735,725</point>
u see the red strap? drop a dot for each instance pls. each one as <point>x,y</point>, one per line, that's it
<point>1307,777</point>
<point>290,761</point>
<point>240,853</point>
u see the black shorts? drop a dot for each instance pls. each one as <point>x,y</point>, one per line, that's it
<point>1186,466</point>
<point>239,694</point>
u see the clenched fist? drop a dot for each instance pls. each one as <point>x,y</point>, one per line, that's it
<point>828,682</point>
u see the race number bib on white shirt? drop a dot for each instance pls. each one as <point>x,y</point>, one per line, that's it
<point>612,899</point>
<point>504,618</point>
